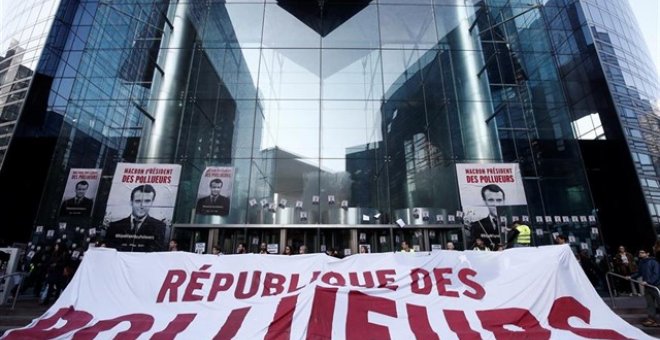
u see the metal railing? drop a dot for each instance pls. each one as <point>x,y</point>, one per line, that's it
<point>18,286</point>
<point>609,286</point>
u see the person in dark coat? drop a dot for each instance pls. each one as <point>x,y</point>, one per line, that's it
<point>649,272</point>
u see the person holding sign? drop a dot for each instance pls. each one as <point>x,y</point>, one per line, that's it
<point>139,231</point>
<point>79,205</point>
<point>215,203</point>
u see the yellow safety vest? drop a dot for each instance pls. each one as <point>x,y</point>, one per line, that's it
<point>525,234</point>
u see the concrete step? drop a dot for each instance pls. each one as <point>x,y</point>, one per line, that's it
<point>27,308</point>
<point>632,309</point>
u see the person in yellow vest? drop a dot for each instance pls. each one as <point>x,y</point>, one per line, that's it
<point>520,235</point>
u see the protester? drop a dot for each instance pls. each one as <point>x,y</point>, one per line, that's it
<point>479,245</point>
<point>649,271</point>
<point>405,247</point>
<point>624,264</point>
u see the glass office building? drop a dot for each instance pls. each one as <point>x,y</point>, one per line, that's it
<point>338,118</point>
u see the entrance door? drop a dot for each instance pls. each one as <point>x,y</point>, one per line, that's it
<point>188,238</point>
<point>338,240</point>
<point>271,237</point>
<point>375,240</point>
<point>296,237</point>
<point>414,237</point>
<point>440,238</point>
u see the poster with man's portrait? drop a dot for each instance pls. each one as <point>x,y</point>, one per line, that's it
<point>141,205</point>
<point>80,192</point>
<point>214,193</point>
<point>483,188</point>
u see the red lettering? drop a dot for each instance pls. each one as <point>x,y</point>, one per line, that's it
<point>173,280</point>
<point>418,319</point>
<point>495,320</point>
<point>221,283</point>
<point>176,326</point>
<point>458,324</point>
<point>194,284</point>
<point>417,274</point>
<point>140,323</point>
<point>239,293</point>
<point>464,276</point>
<point>280,327</point>
<point>355,280</point>
<point>274,282</point>
<point>339,280</point>
<point>385,278</point>
<point>293,283</point>
<point>233,323</point>
<point>315,275</point>
<point>357,320</point>
<point>442,282</point>
<point>43,329</point>
<point>567,307</point>
<point>323,310</point>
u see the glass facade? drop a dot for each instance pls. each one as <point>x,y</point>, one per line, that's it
<point>612,90</point>
<point>338,118</point>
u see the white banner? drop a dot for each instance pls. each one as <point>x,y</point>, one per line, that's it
<point>532,293</point>
<point>214,192</point>
<point>140,205</point>
<point>80,192</point>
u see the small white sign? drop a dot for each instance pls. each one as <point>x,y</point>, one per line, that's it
<point>365,218</point>
<point>584,245</point>
<point>453,237</point>
<point>583,218</point>
<point>451,218</point>
<point>539,219</point>
<point>565,219</point>
<point>50,233</point>
<point>200,247</point>
<point>548,219</point>
<point>571,239</point>
<point>382,239</point>
<point>439,219</point>
<point>39,229</point>
<point>436,247</point>
<point>592,218</point>
<point>92,231</point>
<point>594,231</point>
<point>539,232</point>
<point>575,219</point>
<point>347,251</point>
<point>62,225</point>
<point>557,219</point>
<point>525,218</point>
<point>272,248</point>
